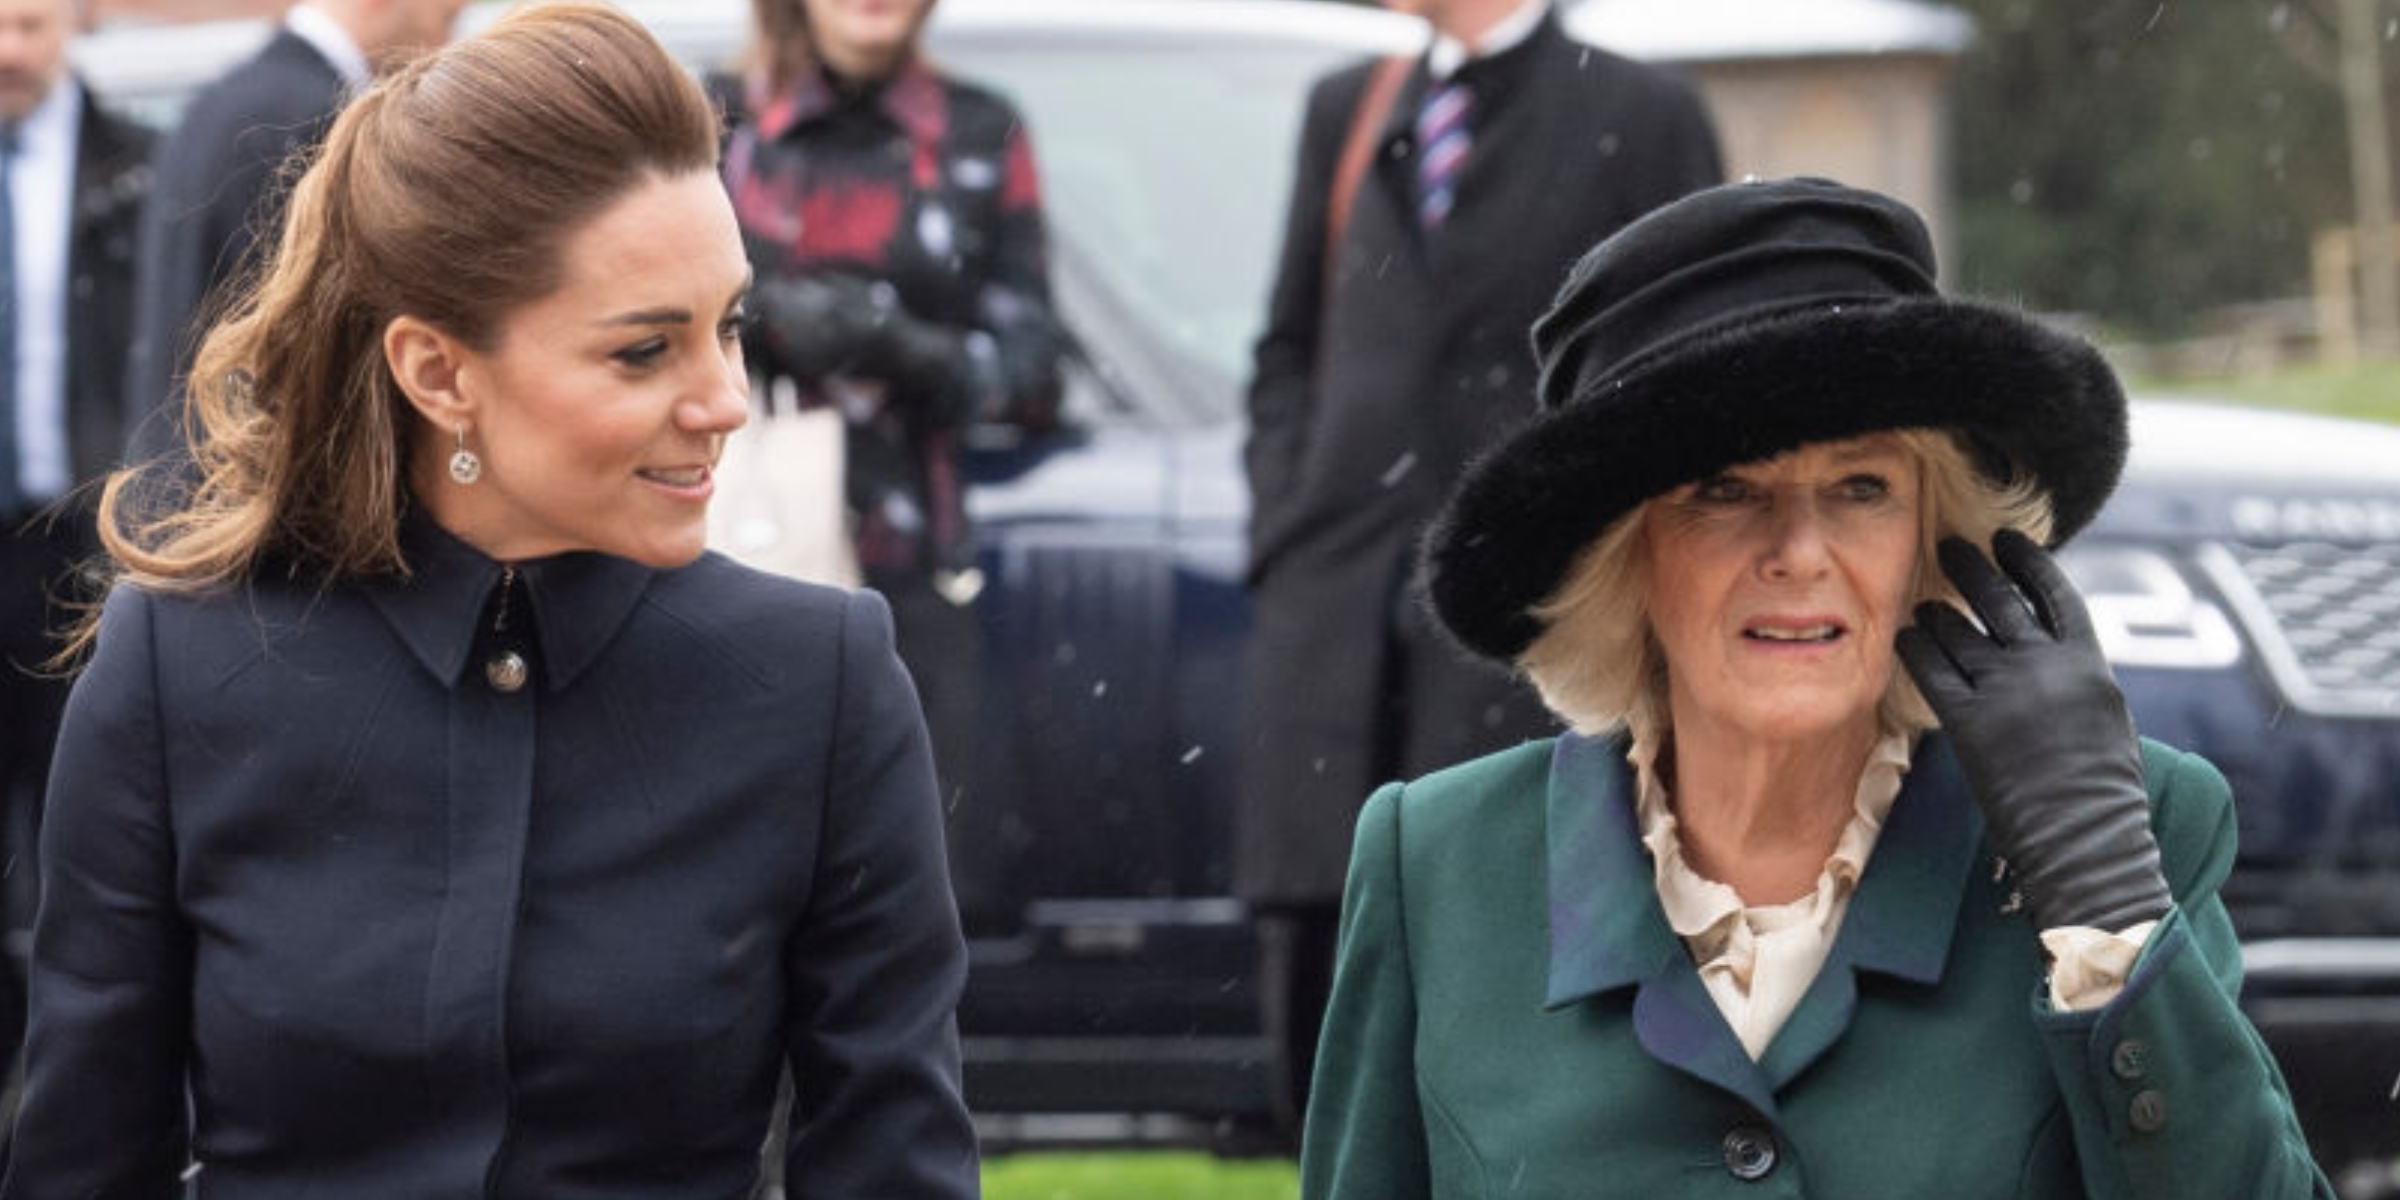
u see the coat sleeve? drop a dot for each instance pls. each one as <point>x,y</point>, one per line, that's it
<point>1014,307</point>
<point>1284,376</point>
<point>1365,1135</point>
<point>878,962</point>
<point>110,986</point>
<point>2171,1093</point>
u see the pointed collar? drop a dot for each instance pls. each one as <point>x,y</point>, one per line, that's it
<point>1904,912</point>
<point>579,601</point>
<point>912,99</point>
<point>1608,930</point>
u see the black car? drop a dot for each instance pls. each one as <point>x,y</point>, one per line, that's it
<point>2247,579</point>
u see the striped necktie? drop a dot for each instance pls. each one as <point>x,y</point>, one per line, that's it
<point>1442,141</point>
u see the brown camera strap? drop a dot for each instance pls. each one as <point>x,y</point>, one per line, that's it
<point>1374,108</point>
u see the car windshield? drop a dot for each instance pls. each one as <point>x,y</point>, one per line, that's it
<point>1133,142</point>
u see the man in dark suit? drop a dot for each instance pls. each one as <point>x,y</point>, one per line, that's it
<point>221,178</point>
<point>1438,204</point>
<point>74,180</point>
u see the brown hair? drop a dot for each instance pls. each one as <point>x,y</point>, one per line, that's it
<point>781,47</point>
<point>1597,665</point>
<point>443,193</point>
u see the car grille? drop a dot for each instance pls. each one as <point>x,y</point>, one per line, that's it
<point>2325,618</point>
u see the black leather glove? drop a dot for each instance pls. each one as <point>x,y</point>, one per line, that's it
<point>835,323</point>
<point>2043,734</point>
<point>922,360</point>
<point>812,326</point>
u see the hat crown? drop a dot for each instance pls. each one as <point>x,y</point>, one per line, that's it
<point>1719,257</point>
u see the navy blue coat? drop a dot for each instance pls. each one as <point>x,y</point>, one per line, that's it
<point>403,933</point>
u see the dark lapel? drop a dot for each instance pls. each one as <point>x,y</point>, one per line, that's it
<point>1608,932</point>
<point>1901,920</point>
<point>112,177</point>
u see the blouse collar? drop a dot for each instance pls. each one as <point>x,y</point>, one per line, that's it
<point>1608,929</point>
<point>1696,905</point>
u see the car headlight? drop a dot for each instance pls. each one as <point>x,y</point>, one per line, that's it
<point>2144,612</point>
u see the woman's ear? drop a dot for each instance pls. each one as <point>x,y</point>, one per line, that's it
<point>426,362</point>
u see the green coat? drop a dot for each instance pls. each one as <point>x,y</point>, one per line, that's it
<point>1512,1017</point>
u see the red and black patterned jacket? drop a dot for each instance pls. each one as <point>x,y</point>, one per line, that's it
<point>926,186</point>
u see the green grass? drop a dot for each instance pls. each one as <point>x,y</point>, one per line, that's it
<point>1138,1175</point>
<point>2366,390</point>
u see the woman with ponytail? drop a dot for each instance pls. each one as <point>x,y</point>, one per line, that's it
<point>432,815</point>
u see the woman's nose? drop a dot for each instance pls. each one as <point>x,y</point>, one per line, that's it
<point>1795,540</point>
<point>722,402</point>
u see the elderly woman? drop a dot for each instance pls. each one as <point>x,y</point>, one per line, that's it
<point>1771,913</point>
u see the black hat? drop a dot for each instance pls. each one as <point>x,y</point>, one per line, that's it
<point>1732,326</point>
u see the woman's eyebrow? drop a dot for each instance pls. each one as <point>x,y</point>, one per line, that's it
<point>651,316</point>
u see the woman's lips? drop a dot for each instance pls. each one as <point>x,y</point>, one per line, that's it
<point>693,482</point>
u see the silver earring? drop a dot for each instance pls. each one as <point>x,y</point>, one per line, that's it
<point>464,466</point>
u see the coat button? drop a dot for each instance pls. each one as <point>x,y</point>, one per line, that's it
<point>505,671</point>
<point>2149,1112</point>
<point>1749,1152</point>
<point>2130,1060</point>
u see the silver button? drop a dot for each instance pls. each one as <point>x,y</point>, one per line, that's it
<point>505,671</point>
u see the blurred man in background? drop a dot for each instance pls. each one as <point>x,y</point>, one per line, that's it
<point>72,178</point>
<point>1438,203</point>
<point>219,197</point>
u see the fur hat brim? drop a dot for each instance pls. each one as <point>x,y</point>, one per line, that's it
<point>2027,398</point>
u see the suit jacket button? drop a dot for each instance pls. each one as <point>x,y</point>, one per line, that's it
<point>2130,1060</point>
<point>505,671</point>
<point>2149,1112</point>
<point>1749,1152</point>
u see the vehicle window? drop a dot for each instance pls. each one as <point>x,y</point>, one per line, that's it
<point>1179,164</point>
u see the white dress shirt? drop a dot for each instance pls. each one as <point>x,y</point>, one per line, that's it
<point>41,186</point>
<point>321,31</point>
<point>1448,53</point>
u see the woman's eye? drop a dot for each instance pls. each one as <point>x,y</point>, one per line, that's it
<point>735,324</point>
<point>1724,489</point>
<point>644,353</point>
<point>1866,488</point>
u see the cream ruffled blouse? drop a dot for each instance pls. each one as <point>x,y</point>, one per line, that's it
<point>1758,960</point>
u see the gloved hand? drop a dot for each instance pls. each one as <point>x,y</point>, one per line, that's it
<point>2043,735</point>
<point>922,360</point>
<point>835,323</point>
<point>812,326</point>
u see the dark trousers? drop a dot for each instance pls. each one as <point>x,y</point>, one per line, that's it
<point>1295,979</point>
<point>37,559</point>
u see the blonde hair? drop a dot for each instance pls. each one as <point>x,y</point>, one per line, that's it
<point>1597,665</point>
<point>445,192</point>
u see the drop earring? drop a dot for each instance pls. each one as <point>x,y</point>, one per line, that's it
<point>464,466</point>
